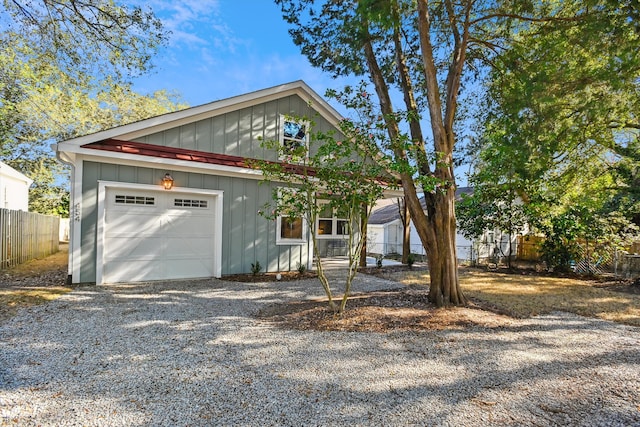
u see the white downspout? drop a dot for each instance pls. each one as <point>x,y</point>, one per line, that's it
<point>65,159</point>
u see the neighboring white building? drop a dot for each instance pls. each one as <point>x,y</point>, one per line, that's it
<point>384,232</point>
<point>14,189</point>
<point>384,236</point>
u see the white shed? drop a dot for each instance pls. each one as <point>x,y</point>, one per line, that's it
<point>385,230</point>
<point>14,189</point>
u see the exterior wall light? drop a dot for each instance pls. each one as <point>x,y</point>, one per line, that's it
<point>167,181</point>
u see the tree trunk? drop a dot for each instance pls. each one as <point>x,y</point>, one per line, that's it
<point>405,217</point>
<point>437,226</point>
<point>363,229</point>
<point>442,255</point>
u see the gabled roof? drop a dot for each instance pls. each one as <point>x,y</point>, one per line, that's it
<point>212,109</point>
<point>390,213</point>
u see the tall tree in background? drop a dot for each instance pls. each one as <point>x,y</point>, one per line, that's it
<point>65,70</point>
<point>86,37</point>
<point>424,50</point>
<point>561,122</point>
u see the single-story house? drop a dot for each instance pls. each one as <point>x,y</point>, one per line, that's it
<point>14,189</point>
<point>173,196</point>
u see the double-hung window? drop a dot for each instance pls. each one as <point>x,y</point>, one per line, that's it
<point>294,139</point>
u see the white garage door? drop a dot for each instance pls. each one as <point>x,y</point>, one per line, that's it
<point>157,235</point>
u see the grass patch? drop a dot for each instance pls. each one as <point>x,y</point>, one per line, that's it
<point>24,297</point>
<point>13,299</point>
<point>34,282</point>
<point>525,296</point>
<point>36,267</point>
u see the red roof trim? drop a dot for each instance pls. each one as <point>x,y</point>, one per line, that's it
<point>150,150</point>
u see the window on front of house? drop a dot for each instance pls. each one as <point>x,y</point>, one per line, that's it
<point>325,221</point>
<point>290,228</point>
<point>341,227</point>
<point>293,138</point>
<point>331,223</point>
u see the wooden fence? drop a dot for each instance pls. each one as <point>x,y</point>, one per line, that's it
<point>528,248</point>
<point>26,235</point>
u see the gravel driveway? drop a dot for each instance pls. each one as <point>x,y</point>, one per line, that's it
<point>190,353</point>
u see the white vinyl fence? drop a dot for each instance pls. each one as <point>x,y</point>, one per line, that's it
<point>27,235</point>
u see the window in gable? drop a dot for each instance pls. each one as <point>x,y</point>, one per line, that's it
<point>293,138</point>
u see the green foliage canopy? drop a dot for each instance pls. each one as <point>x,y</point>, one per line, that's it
<point>560,124</point>
<point>65,69</point>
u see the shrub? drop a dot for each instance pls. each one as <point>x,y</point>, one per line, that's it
<point>256,268</point>
<point>301,268</point>
<point>410,260</point>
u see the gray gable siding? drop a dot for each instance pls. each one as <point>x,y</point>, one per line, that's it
<point>247,236</point>
<point>237,133</point>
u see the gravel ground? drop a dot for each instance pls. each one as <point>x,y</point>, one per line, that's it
<point>191,353</point>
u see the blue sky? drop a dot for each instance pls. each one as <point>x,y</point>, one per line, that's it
<point>223,48</point>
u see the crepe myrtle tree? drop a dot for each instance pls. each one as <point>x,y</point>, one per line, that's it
<point>335,171</point>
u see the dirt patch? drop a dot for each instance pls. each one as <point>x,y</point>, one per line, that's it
<point>48,271</point>
<point>497,297</point>
<point>285,276</point>
<point>630,286</point>
<point>382,311</point>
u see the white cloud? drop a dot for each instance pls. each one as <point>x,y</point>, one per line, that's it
<point>192,23</point>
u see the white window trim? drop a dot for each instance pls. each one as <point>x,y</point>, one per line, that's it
<point>285,118</point>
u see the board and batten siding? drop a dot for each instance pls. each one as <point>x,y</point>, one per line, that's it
<point>247,236</point>
<point>238,133</point>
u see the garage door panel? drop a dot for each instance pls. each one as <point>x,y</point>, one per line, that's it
<point>184,225</point>
<point>155,239</point>
<point>193,247</point>
<point>136,224</point>
<point>133,271</point>
<point>196,267</point>
<point>135,248</point>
